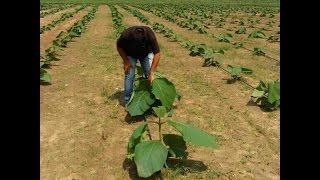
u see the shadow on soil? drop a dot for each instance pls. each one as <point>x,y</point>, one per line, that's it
<point>133,119</point>
<point>118,95</point>
<point>251,103</point>
<point>43,83</point>
<point>230,81</point>
<point>183,166</point>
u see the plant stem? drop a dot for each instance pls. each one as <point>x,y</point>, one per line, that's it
<point>160,133</point>
<point>149,134</point>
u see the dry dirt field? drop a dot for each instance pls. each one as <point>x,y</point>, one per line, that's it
<point>84,130</point>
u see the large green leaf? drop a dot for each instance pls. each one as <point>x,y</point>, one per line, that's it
<point>140,103</point>
<point>194,135</point>
<point>164,90</point>
<point>141,83</point>
<point>150,157</point>
<point>273,92</point>
<point>44,75</point>
<point>158,75</point>
<point>234,71</point>
<point>136,137</point>
<point>177,146</point>
<point>262,86</point>
<point>257,93</point>
<point>160,111</point>
<point>208,54</point>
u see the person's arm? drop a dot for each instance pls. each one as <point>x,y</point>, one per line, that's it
<point>126,62</point>
<point>156,52</point>
<point>154,65</point>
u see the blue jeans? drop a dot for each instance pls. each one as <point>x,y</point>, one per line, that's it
<point>129,78</point>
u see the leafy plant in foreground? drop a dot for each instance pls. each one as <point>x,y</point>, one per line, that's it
<point>258,52</point>
<point>236,72</point>
<point>151,155</point>
<point>225,37</point>
<point>44,75</point>
<point>50,54</point>
<point>257,34</point>
<point>144,96</point>
<point>267,94</point>
<point>212,62</point>
<point>198,50</point>
<point>241,30</point>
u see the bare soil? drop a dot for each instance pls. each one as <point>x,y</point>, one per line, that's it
<point>84,130</point>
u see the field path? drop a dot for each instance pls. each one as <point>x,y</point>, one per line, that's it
<point>83,129</point>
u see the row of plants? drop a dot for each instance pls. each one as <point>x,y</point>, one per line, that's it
<point>257,51</point>
<point>211,10</point>
<point>62,18</point>
<point>235,72</point>
<point>222,37</point>
<point>44,75</point>
<point>117,20</point>
<point>44,7</point>
<point>137,14</point>
<point>205,17</point>
<point>219,19</point>
<point>61,41</point>
<point>149,154</point>
<point>170,14</point>
<point>195,24</point>
<point>54,10</point>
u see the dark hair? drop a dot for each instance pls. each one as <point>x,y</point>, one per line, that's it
<point>139,37</point>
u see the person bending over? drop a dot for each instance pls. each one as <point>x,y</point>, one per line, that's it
<point>137,43</point>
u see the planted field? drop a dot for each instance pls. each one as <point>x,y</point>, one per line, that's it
<point>214,108</point>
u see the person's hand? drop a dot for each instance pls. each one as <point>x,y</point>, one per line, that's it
<point>150,78</point>
<point>126,67</point>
